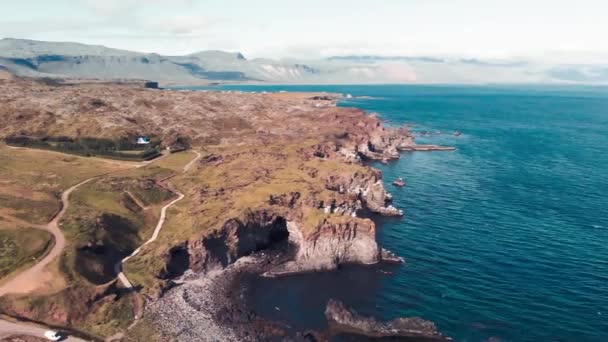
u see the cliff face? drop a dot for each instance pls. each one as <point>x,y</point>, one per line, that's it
<point>310,194</point>
<point>337,236</point>
<point>320,220</point>
<point>235,239</point>
<point>332,244</point>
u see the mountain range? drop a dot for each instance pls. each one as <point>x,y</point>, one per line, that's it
<point>74,60</point>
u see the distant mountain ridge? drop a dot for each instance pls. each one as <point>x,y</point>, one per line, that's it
<point>75,60</point>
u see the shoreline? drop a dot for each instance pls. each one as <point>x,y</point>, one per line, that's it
<point>308,189</point>
<point>214,306</point>
<point>209,300</point>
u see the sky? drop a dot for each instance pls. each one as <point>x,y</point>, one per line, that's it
<point>563,31</point>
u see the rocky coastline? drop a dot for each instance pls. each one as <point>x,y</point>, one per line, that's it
<point>205,302</point>
<point>281,169</point>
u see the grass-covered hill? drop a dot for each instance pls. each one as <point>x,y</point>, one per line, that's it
<point>263,158</point>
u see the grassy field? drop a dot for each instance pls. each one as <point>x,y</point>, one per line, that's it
<point>20,247</point>
<point>31,181</point>
<point>175,161</point>
<point>104,223</point>
<point>101,227</point>
<point>223,191</point>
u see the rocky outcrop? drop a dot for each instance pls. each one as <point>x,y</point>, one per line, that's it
<point>381,143</point>
<point>343,320</point>
<point>425,148</point>
<point>377,200</point>
<point>332,244</point>
<point>368,188</point>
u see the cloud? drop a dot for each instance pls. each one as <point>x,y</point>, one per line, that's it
<point>179,24</point>
<point>113,7</point>
<point>162,26</point>
<point>25,28</point>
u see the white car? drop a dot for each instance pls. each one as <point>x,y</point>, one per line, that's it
<point>53,335</point>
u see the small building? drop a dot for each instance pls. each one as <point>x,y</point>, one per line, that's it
<point>143,140</point>
<point>151,85</point>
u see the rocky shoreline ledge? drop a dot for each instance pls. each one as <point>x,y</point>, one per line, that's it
<point>211,307</point>
<point>346,321</point>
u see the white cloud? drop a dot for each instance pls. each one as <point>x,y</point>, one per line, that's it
<point>178,24</point>
<point>478,29</point>
<point>111,7</point>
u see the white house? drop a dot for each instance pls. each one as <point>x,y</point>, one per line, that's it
<point>143,141</point>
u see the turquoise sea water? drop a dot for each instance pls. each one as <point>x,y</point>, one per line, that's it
<point>507,237</point>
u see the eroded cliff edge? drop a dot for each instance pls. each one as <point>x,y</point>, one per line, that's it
<point>308,191</point>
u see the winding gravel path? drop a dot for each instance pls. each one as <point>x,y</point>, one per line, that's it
<point>161,221</point>
<point>32,278</point>
<point>37,276</point>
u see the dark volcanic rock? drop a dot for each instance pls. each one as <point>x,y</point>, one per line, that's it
<point>346,321</point>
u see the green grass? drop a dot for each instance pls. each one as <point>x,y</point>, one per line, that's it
<point>77,306</point>
<point>99,215</point>
<point>243,182</point>
<point>175,161</point>
<point>37,212</point>
<point>32,181</point>
<point>20,247</point>
<point>145,331</point>
<point>49,171</point>
<point>90,147</point>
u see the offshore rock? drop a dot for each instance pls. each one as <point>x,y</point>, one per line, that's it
<point>376,200</point>
<point>390,257</point>
<point>343,320</point>
<point>425,148</point>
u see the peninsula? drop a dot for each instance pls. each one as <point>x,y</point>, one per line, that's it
<point>277,185</point>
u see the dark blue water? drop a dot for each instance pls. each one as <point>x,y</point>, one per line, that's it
<point>506,237</point>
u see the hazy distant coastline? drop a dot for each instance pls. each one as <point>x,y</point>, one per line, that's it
<point>74,60</point>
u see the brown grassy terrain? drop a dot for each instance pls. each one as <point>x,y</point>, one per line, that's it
<point>32,181</point>
<point>20,247</point>
<point>102,225</point>
<point>277,153</point>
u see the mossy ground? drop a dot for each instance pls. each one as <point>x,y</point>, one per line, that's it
<point>32,181</point>
<point>145,331</point>
<point>20,247</point>
<point>100,218</point>
<point>101,228</point>
<point>242,182</point>
<point>262,144</point>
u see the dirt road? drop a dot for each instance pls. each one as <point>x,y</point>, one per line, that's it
<point>161,221</point>
<point>11,329</point>
<point>36,276</point>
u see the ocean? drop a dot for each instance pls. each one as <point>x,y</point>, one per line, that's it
<point>504,238</point>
